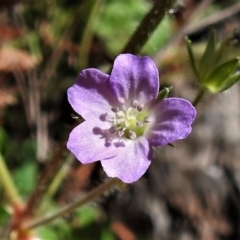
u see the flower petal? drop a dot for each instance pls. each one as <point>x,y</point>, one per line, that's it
<point>173,117</point>
<point>90,95</point>
<point>134,78</point>
<point>90,143</point>
<point>131,163</point>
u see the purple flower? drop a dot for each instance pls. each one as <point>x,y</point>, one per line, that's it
<point>123,119</point>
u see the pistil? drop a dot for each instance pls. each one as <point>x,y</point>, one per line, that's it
<point>128,121</point>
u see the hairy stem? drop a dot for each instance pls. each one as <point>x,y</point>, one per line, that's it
<point>72,206</point>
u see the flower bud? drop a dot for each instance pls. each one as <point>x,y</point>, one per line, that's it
<point>215,70</point>
<point>223,77</point>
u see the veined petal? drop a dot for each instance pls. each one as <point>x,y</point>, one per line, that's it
<point>173,119</point>
<point>90,142</point>
<point>90,95</point>
<point>131,163</point>
<point>134,78</point>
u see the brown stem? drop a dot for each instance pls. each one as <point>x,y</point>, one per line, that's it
<point>181,32</point>
<point>147,26</point>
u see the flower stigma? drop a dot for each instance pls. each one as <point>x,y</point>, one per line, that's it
<point>128,122</point>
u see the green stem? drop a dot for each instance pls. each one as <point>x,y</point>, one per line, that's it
<point>198,97</point>
<point>147,26</point>
<point>45,178</point>
<point>72,206</point>
<point>8,184</point>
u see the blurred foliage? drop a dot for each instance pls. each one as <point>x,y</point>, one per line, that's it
<point>43,46</point>
<point>118,21</point>
<point>27,183</point>
<point>3,140</point>
<point>83,223</point>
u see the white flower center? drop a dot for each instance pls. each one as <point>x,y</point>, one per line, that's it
<point>128,122</point>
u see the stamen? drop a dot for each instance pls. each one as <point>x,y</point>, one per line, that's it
<point>135,103</point>
<point>109,118</point>
<point>147,119</point>
<point>121,100</point>
<point>139,124</point>
<point>120,133</point>
<point>120,120</point>
<point>126,121</point>
<point>140,107</point>
<point>115,109</point>
<point>121,114</point>
<point>112,130</point>
<point>129,112</point>
<point>132,135</point>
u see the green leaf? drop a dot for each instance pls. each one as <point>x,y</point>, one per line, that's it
<point>206,61</point>
<point>87,215</point>
<point>107,234</point>
<point>25,177</point>
<point>4,216</point>
<point>223,52</point>
<point>191,58</point>
<point>33,40</point>
<point>48,233</point>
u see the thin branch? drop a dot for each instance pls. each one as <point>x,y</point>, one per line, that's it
<point>147,26</point>
<point>72,206</point>
<point>213,19</point>
<point>178,37</point>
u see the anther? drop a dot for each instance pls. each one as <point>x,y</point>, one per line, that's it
<point>140,107</point>
<point>147,119</point>
<point>132,135</point>
<point>135,103</point>
<point>121,100</point>
<point>120,133</point>
<point>109,118</point>
<point>139,124</point>
<point>112,130</point>
<point>115,109</point>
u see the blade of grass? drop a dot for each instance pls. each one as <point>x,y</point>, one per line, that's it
<point>8,184</point>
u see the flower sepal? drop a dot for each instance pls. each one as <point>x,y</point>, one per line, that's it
<point>215,71</point>
<point>223,77</point>
<point>164,93</point>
